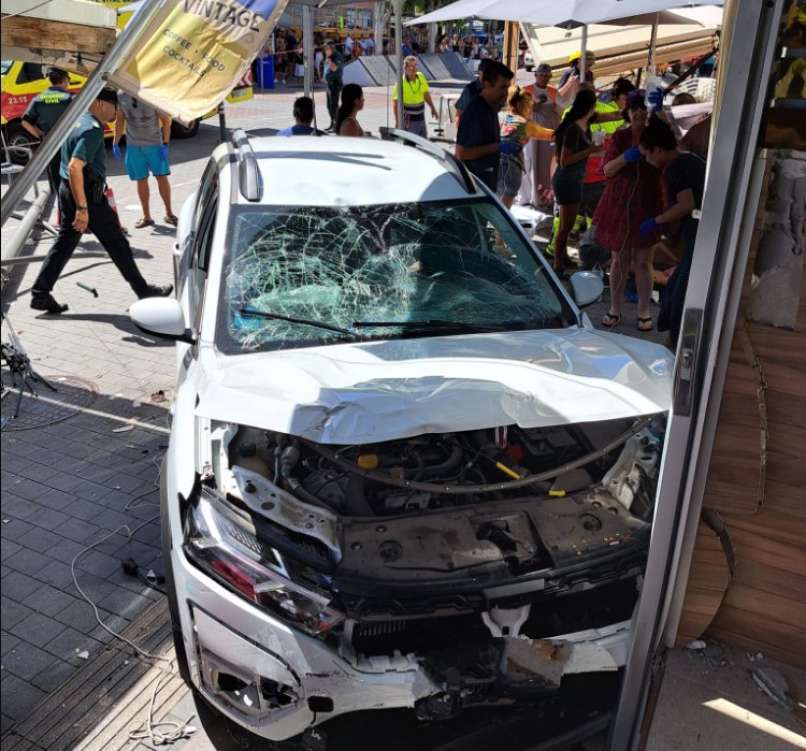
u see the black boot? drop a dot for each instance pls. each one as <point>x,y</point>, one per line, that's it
<point>47,303</point>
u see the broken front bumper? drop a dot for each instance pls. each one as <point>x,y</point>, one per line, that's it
<point>276,681</point>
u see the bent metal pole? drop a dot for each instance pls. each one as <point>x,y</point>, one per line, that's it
<point>401,74</point>
<point>54,139</point>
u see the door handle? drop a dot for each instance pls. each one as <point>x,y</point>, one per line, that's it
<point>685,367</point>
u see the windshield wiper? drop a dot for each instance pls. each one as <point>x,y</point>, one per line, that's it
<point>290,319</point>
<point>427,324</point>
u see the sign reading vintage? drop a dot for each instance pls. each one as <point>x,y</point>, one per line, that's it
<point>193,52</point>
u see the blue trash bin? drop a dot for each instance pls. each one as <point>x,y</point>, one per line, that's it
<point>266,72</point>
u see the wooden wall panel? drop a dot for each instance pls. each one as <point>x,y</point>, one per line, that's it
<point>760,495</point>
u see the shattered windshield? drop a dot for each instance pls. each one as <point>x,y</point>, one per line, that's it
<point>303,276</point>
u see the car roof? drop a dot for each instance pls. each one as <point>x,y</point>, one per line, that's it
<point>342,171</point>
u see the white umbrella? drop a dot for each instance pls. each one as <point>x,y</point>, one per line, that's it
<point>561,13</point>
<point>555,12</point>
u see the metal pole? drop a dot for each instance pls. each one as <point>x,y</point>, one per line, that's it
<point>583,60</point>
<point>53,140</point>
<point>222,124</point>
<point>308,49</point>
<point>432,30</point>
<point>653,39</point>
<point>13,247</point>
<point>377,17</point>
<point>399,53</point>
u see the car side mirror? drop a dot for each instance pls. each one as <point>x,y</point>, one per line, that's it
<point>586,287</point>
<point>161,317</point>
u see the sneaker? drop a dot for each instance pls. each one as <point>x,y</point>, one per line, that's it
<point>157,290</point>
<point>47,303</point>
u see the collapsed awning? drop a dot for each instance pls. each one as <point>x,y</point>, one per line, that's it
<point>62,32</point>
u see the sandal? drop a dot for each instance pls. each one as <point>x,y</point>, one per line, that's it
<point>611,320</point>
<point>645,324</point>
<point>143,222</point>
<point>171,219</point>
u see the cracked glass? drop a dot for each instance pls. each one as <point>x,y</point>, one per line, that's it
<point>461,263</point>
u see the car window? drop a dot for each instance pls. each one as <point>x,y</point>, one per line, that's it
<point>206,231</point>
<point>5,66</point>
<point>208,194</point>
<point>458,262</point>
<point>30,72</point>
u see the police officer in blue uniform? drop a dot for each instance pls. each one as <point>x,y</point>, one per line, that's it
<point>83,206</point>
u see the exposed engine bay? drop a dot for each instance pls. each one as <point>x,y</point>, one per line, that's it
<point>433,472</point>
<point>462,553</point>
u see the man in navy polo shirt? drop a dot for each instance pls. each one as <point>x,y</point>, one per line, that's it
<point>478,141</point>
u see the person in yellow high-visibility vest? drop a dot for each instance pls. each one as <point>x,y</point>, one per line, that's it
<point>416,95</point>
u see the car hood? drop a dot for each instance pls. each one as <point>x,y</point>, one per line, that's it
<point>385,390</point>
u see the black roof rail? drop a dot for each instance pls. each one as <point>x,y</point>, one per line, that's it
<point>459,171</point>
<point>250,182</point>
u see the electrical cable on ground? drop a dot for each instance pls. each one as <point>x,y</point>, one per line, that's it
<point>150,730</point>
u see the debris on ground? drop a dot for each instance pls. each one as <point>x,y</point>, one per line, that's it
<point>158,396</point>
<point>87,288</point>
<point>123,429</point>
<point>773,683</point>
<point>713,653</point>
<point>83,655</point>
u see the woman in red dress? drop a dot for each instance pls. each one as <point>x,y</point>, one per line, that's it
<point>633,193</point>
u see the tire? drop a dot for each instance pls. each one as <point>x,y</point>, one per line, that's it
<point>16,135</point>
<point>170,586</point>
<point>180,131</point>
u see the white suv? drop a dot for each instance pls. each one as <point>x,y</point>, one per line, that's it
<point>409,488</point>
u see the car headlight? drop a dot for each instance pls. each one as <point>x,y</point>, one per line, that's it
<point>221,543</point>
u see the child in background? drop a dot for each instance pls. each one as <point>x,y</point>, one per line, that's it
<point>517,127</point>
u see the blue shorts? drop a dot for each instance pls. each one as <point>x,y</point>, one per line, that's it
<point>142,160</point>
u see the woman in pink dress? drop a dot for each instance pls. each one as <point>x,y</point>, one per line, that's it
<point>633,194</point>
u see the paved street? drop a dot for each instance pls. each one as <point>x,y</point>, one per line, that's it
<point>73,475</point>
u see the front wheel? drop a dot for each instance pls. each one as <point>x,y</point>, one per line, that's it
<point>180,131</point>
<point>18,144</point>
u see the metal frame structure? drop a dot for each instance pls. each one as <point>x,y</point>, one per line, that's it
<point>720,256</point>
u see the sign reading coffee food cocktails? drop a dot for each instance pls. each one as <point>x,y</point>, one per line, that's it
<point>192,53</point>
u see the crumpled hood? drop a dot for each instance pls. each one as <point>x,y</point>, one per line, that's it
<point>379,391</point>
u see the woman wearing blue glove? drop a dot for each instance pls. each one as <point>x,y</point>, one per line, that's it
<point>632,194</point>
<point>684,182</point>
<point>147,135</point>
